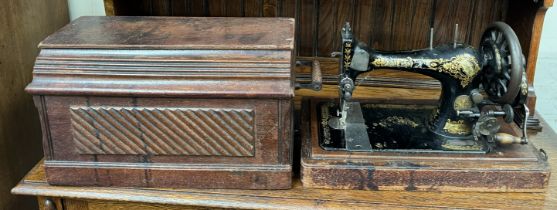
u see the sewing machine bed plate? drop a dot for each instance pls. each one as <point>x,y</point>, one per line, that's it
<point>389,126</point>
<point>515,168</point>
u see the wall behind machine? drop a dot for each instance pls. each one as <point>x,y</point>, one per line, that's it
<point>23,24</point>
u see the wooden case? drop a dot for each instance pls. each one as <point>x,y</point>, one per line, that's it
<point>167,102</point>
<point>508,168</point>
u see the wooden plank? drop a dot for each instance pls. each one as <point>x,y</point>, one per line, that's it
<point>145,9</point>
<point>110,205</point>
<point>362,20</point>
<point>253,8</point>
<point>72,204</point>
<point>381,28</point>
<point>411,24</point>
<point>270,8</point>
<point>288,8</point>
<point>325,33</point>
<point>447,14</point>
<point>485,12</point>
<point>24,24</point>
<point>161,7</point>
<point>198,8</point>
<point>344,12</point>
<point>178,8</point>
<point>217,8</point>
<point>364,92</point>
<point>234,8</point>
<point>306,30</point>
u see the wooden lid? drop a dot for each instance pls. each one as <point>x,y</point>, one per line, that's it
<point>168,57</point>
<point>120,32</point>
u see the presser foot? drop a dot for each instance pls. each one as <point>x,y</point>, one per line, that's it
<point>354,128</point>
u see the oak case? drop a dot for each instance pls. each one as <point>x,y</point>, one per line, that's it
<point>167,102</point>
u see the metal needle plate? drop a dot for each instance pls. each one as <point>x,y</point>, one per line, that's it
<point>355,133</point>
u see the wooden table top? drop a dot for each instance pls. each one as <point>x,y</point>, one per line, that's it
<point>297,197</point>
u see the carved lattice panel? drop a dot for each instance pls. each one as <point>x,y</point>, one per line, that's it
<point>163,131</point>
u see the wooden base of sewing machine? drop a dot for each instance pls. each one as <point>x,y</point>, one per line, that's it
<point>514,168</point>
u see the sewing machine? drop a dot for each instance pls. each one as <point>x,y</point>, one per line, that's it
<point>470,139</point>
<point>466,117</point>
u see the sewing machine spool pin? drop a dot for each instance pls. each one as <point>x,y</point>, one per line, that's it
<point>431,38</point>
<point>455,39</point>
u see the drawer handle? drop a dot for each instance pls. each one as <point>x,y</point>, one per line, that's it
<point>49,204</point>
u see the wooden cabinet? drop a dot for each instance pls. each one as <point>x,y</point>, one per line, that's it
<point>167,102</point>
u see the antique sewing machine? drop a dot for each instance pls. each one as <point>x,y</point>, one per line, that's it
<point>469,139</point>
<point>478,87</point>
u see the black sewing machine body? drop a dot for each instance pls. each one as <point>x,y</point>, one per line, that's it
<point>473,96</point>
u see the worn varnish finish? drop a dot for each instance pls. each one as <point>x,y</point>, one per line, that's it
<point>167,102</point>
<point>174,131</point>
<point>384,24</point>
<point>515,168</point>
<point>82,198</point>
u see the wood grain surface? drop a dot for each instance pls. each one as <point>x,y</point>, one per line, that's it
<point>387,25</point>
<point>383,24</point>
<point>168,33</point>
<point>526,17</point>
<point>23,24</point>
<point>297,197</point>
<point>142,105</point>
<point>516,168</point>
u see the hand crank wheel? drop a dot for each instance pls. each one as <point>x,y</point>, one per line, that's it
<point>503,63</point>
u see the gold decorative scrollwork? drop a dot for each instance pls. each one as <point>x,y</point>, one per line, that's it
<point>325,123</point>
<point>461,67</point>
<point>396,120</point>
<point>459,127</point>
<point>347,51</point>
<point>462,102</point>
<point>434,115</point>
<point>524,84</point>
<point>393,62</point>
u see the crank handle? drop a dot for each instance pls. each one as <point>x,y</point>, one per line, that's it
<point>316,78</point>
<point>507,139</point>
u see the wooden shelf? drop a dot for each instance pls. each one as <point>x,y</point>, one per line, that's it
<point>298,197</point>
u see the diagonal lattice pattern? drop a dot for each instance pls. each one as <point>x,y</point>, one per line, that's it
<point>163,131</point>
